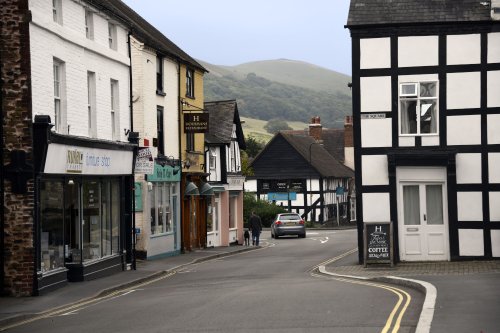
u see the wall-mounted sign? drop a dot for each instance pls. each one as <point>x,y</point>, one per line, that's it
<point>378,243</point>
<point>164,174</point>
<point>235,183</point>
<point>144,163</point>
<point>285,185</point>
<point>196,122</point>
<point>64,159</point>
<point>373,116</point>
<point>275,196</point>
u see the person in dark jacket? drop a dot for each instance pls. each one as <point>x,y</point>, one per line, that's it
<point>255,225</point>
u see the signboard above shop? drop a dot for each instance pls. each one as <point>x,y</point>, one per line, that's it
<point>196,122</point>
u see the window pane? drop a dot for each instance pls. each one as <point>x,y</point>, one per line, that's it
<point>168,215</point>
<point>91,220</point>
<point>411,205</point>
<point>115,216</point>
<point>408,117</point>
<point>153,210</point>
<point>428,89</point>
<point>434,200</point>
<point>428,117</point>
<point>52,226</point>
<point>106,218</point>
<point>73,227</point>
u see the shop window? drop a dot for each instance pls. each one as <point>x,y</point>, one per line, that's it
<point>91,220</point>
<point>418,111</point>
<point>161,212</point>
<point>52,250</point>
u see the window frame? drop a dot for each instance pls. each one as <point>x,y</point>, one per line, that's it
<point>57,11</point>
<point>159,76</point>
<point>115,108</point>
<point>190,142</point>
<point>59,96</point>
<point>89,24</point>
<point>160,129</point>
<point>112,36</point>
<point>418,99</point>
<point>189,83</point>
<point>91,104</point>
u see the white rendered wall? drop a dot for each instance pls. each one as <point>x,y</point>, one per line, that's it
<point>349,157</point>
<point>68,43</point>
<point>375,94</point>
<point>495,243</point>
<point>494,168</point>
<point>418,51</point>
<point>375,53</point>
<point>171,107</point>
<point>494,198</point>
<point>376,132</point>
<point>470,206</point>
<point>458,125</point>
<point>376,207</point>
<point>494,47</point>
<point>493,128</point>
<point>463,49</point>
<point>493,89</point>
<point>463,90</point>
<point>471,242</point>
<point>468,168</point>
<point>374,170</point>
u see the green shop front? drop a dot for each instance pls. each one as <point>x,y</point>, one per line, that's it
<point>157,208</point>
<point>83,209</point>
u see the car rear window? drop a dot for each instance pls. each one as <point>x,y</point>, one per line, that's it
<point>290,217</point>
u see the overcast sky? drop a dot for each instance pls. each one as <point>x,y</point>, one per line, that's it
<point>232,32</point>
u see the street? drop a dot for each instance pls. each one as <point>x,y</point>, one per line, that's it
<point>267,290</point>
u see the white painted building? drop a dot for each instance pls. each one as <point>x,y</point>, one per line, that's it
<point>426,123</point>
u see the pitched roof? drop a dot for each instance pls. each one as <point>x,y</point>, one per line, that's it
<point>145,32</point>
<point>375,12</point>
<point>333,140</point>
<point>222,116</point>
<point>319,158</point>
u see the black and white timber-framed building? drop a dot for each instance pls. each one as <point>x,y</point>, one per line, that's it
<point>426,117</point>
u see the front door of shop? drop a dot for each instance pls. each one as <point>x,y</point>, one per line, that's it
<point>423,229</point>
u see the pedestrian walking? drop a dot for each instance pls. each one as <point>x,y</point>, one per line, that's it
<point>255,225</point>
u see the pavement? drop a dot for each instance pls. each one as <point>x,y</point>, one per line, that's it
<point>460,296</point>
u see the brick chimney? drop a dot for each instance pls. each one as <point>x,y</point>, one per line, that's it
<point>315,128</point>
<point>348,143</point>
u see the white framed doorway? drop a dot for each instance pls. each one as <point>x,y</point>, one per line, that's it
<point>213,222</point>
<point>422,214</point>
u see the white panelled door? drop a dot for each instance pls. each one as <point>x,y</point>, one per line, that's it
<point>423,221</point>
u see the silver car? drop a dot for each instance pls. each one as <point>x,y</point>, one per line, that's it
<point>288,224</point>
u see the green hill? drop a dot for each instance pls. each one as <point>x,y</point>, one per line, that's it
<point>290,90</point>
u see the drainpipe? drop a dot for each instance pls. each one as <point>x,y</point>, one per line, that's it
<point>134,267</point>
<point>2,225</point>
<point>181,191</point>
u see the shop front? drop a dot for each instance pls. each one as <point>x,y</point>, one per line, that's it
<point>159,205</point>
<point>83,222</point>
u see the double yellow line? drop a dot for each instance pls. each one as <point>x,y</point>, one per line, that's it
<point>397,313</point>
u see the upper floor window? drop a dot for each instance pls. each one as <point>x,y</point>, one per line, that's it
<point>112,36</point>
<point>57,11</point>
<point>91,104</point>
<point>159,130</point>
<point>159,75</point>
<point>190,142</point>
<point>212,159</point>
<point>189,83</point>
<point>418,108</point>
<point>59,112</point>
<point>89,24</point>
<point>114,109</point>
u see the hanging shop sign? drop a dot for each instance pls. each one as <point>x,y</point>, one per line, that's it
<point>164,174</point>
<point>196,122</point>
<point>378,243</point>
<point>144,163</point>
<point>65,159</point>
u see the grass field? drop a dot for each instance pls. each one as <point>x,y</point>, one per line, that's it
<point>255,128</point>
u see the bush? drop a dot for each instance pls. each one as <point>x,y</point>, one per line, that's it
<point>267,211</point>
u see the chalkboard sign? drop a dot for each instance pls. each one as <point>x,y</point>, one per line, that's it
<point>378,243</point>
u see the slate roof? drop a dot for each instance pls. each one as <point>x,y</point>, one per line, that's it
<point>321,160</point>
<point>377,12</point>
<point>333,140</point>
<point>145,32</point>
<point>222,115</point>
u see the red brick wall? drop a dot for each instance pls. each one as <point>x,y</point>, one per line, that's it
<point>18,252</point>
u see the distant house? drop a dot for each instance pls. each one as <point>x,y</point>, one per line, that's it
<point>304,172</point>
<point>223,144</point>
<point>426,82</point>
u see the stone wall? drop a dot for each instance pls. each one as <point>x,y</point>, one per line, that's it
<point>18,223</point>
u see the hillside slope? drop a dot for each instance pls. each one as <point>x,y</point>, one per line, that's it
<point>290,90</point>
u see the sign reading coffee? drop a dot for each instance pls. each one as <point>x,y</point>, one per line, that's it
<point>196,122</point>
<point>378,246</point>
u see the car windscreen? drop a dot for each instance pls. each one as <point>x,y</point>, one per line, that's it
<point>290,218</point>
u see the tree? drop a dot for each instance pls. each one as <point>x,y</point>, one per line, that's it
<point>273,126</point>
<point>253,146</point>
